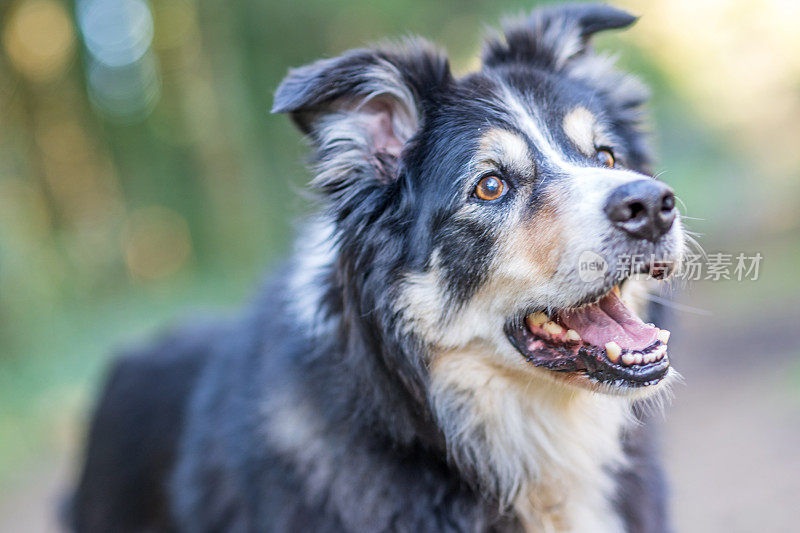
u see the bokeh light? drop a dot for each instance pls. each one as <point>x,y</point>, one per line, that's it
<point>127,92</point>
<point>156,243</point>
<point>39,39</point>
<point>122,75</point>
<point>116,32</point>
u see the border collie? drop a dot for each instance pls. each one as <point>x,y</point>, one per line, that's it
<point>440,353</point>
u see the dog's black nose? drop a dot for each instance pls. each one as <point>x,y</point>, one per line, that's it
<point>643,208</point>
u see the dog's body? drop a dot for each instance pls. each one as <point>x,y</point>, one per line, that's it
<point>383,380</point>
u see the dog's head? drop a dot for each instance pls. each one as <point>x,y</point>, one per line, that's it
<point>499,212</point>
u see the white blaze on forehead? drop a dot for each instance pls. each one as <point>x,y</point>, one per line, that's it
<point>533,126</point>
<point>581,120</point>
<point>579,125</point>
<point>587,185</point>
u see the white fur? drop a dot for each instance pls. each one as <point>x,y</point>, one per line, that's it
<point>314,255</point>
<point>549,448</point>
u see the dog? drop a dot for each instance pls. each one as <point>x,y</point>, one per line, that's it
<point>439,353</point>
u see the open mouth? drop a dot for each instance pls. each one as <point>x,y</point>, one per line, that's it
<point>604,340</point>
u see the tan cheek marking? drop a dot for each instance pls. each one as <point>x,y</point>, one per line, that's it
<point>579,125</point>
<point>539,240</point>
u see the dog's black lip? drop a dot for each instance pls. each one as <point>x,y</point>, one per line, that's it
<point>589,360</point>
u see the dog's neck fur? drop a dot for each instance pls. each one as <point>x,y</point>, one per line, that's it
<point>545,451</point>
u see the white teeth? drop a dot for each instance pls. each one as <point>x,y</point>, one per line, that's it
<point>663,335</point>
<point>659,352</point>
<point>573,335</point>
<point>613,351</point>
<point>537,319</point>
<point>552,328</point>
<point>638,358</point>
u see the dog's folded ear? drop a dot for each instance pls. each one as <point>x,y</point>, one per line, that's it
<point>361,108</point>
<point>551,37</point>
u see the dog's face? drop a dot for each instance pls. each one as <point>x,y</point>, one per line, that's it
<point>514,201</point>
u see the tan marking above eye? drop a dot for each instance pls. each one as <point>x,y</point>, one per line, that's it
<point>505,148</point>
<point>580,125</point>
<point>490,188</point>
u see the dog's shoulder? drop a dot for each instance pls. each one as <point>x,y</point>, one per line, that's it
<point>134,433</point>
<point>277,439</point>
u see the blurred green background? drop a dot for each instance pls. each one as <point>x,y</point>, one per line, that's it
<point>141,178</point>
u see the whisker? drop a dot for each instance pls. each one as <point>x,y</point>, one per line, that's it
<point>691,242</point>
<point>666,302</point>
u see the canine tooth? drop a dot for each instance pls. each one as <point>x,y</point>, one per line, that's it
<point>637,359</point>
<point>537,319</point>
<point>628,358</point>
<point>616,290</point>
<point>663,335</point>
<point>552,328</point>
<point>613,351</point>
<point>573,335</point>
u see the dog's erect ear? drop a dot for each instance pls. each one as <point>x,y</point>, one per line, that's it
<point>551,37</point>
<point>359,109</point>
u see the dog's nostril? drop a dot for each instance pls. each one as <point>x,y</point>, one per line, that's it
<point>668,202</point>
<point>636,210</point>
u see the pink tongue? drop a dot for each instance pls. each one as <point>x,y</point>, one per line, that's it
<point>610,320</point>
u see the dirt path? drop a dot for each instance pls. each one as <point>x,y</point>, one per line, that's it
<point>732,439</point>
<point>32,506</point>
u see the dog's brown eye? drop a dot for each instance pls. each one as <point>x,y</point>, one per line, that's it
<point>606,156</point>
<point>490,188</point>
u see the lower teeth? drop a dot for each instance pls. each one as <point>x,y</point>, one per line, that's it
<point>615,355</point>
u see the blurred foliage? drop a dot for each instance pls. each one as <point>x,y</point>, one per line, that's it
<point>140,173</point>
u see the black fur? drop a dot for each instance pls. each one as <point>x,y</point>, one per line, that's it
<point>181,438</point>
<point>134,436</point>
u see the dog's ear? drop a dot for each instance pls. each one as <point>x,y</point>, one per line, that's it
<point>553,36</point>
<point>361,108</point>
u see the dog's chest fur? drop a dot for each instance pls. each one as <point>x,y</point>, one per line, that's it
<point>547,450</point>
